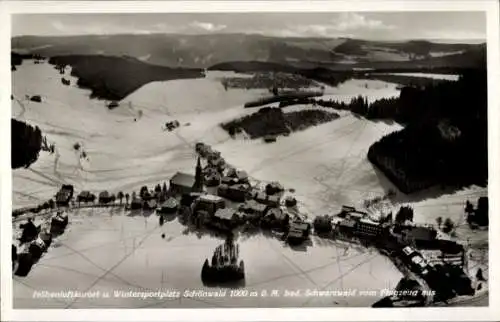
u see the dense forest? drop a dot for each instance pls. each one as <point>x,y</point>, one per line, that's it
<point>26,143</point>
<point>113,78</point>
<point>445,140</point>
<point>273,121</point>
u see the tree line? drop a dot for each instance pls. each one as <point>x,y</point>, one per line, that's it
<point>26,143</point>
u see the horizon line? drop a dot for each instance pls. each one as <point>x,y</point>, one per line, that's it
<point>477,41</point>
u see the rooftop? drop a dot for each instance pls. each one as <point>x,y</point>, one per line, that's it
<point>348,223</point>
<point>183,179</point>
<point>225,213</point>
<point>254,205</point>
<point>211,198</point>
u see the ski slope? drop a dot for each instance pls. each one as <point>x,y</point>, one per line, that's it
<point>127,148</point>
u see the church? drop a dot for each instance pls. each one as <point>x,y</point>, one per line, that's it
<point>184,183</point>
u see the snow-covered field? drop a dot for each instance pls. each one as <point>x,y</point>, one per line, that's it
<point>326,165</point>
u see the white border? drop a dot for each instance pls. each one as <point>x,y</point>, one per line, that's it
<point>323,314</point>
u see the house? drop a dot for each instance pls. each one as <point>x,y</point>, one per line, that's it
<point>237,192</point>
<point>225,218</point>
<point>270,138</point>
<point>208,203</point>
<point>274,187</point>
<point>181,183</point>
<point>212,179</point>
<point>270,200</point>
<point>112,105</point>
<point>295,236</point>
<point>242,176</point>
<point>346,227</point>
<point>218,163</point>
<point>254,209</point>
<point>347,209</point>
<point>36,98</point>
<point>436,256</point>
<point>260,196</point>
<point>169,206</point>
<point>64,195</point>
<point>228,180</point>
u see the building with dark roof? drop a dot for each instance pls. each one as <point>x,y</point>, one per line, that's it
<point>209,203</point>
<point>254,209</point>
<point>225,218</point>
<point>346,227</point>
<point>237,192</point>
<point>181,183</point>
<point>420,236</point>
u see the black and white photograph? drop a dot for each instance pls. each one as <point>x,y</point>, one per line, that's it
<point>194,160</point>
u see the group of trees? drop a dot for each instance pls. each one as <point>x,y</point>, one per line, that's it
<point>479,215</point>
<point>273,121</point>
<point>26,143</point>
<point>447,226</point>
<point>405,213</point>
<point>159,192</point>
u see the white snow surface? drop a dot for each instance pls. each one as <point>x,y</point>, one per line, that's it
<point>326,165</point>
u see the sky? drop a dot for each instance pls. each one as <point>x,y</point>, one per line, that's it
<point>363,25</point>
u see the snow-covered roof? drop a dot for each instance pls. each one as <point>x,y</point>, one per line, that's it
<point>211,198</point>
<point>225,213</point>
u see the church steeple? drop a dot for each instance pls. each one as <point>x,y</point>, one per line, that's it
<point>198,180</point>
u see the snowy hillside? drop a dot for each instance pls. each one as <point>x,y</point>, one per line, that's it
<point>104,250</point>
<point>326,165</point>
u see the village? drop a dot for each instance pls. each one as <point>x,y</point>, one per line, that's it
<point>227,201</point>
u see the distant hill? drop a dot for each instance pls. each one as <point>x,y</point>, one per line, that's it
<point>113,78</point>
<point>203,51</point>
